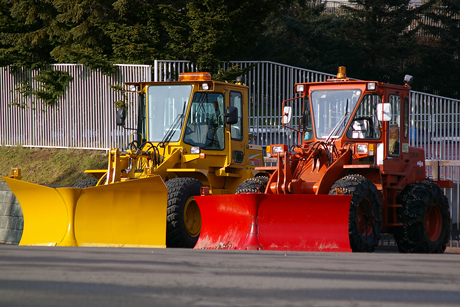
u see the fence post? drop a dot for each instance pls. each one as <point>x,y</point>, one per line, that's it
<point>155,71</point>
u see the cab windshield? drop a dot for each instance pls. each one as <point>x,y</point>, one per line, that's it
<point>166,108</point>
<point>205,125</point>
<point>331,109</point>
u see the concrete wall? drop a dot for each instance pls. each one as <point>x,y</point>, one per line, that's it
<point>11,218</point>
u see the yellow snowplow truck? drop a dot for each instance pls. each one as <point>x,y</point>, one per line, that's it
<point>191,138</point>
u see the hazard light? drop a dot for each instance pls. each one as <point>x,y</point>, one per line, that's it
<point>16,173</point>
<point>195,76</point>
<point>342,72</point>
<point>371,149</point>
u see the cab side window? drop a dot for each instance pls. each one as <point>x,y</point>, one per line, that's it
<point>394,144</point>
<point>406,117</point>
<point>236,100</point>
<point>205,124</point>
<point>365,124</point>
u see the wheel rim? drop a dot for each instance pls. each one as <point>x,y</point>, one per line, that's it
<point>192,218</point>
<point>365,219</point>
<point>433,223</point>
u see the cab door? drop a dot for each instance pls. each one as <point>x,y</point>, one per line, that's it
<point>397,136</point>
<point>236,99</point>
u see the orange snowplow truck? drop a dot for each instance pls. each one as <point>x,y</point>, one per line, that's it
<point>351,177</point>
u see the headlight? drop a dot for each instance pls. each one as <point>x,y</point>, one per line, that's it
<point>371,86</point>
<point>205,86</point>
<point>361,148</point>
<point>277,149</point>
<point>300,88</point>
<point>132,88</point>
<point>195,150</point>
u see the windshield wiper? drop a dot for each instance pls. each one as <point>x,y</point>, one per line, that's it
<point>173,128</point>
<point>336,127</point>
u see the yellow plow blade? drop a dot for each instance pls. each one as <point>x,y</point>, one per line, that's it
<point>127,214</point>
<point>48,213</point>
<point>130,214</point>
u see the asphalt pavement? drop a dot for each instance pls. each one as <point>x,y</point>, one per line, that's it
<point>71,276</point>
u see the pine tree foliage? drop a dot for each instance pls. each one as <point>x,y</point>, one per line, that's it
<point>99,33</point>
<point>26,38</point>
<point>375,39</point>
<point>207,32</point>
<point>382,35</point>
<point>299,33</point>
<point>441,62</point>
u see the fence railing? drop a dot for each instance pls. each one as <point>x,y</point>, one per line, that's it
<point>435,126</point>
<point>84,117</point>
<point>269,84</point>
<point>435,120</point>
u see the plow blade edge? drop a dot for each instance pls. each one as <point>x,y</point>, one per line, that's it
<point>48,213</point>
<point>127,214</point>
<point>297,222</point>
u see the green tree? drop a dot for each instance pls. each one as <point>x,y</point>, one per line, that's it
<point>26,37</point>
<point>100,33</point>
<point>207,32</point>
<point>382,35</point>
<point>375,39</point>
<point>94,33</point>
<point>34,34</point>
<point>81,36</point>
<point>135,34</point>
<point>439,68</point>
<point>300,33</point>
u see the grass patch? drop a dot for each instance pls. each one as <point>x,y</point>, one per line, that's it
<point>50,165</point>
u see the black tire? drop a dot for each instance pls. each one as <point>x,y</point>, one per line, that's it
<point>425,217</point>
<point>365,217</point>
<point>86,183</point>
<point>183,223</point>
<point>252,185</point>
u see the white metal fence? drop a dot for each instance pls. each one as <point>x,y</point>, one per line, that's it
<point>269,84</point>
<point>435,120</point>
<point>435,126</point>
<point>84,117</point>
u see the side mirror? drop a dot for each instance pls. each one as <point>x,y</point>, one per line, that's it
<point>287,114</point>
<point>121,117</point>
<point>231,115</point>
<point>384,112</point>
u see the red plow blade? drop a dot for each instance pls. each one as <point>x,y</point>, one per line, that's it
<point>298,222</point>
